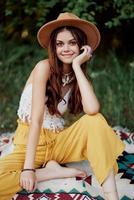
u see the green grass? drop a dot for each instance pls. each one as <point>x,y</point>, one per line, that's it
<point>16,63</point>
<point>112,77</point>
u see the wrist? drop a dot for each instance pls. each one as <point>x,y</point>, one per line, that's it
<point>28,169</point>
<point>28,164</point>
<point>75,66</point>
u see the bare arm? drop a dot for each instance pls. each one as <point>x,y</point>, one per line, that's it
<point>40,77</point>
<point>89,100</point>
<point>39,80</point>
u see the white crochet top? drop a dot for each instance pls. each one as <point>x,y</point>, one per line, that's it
<point>52,122</point>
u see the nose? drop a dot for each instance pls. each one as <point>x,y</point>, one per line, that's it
<point>66,47</point>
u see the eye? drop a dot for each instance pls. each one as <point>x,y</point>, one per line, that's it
<point>59,44</point>
<point>73,43</point>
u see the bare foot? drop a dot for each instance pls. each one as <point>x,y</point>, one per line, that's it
<point>53,170</point>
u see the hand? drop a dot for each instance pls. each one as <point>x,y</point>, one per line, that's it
<point>84,56</point>
<point>28,180</point>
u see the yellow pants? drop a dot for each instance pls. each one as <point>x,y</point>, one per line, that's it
<point>89,138</point>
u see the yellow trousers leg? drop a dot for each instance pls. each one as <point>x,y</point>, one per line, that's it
<point>90,138</point>
<point>10,169</point>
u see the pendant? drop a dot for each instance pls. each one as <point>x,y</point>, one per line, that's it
<point>66,80</point>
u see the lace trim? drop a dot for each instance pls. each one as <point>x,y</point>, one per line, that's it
<point>52,122</point>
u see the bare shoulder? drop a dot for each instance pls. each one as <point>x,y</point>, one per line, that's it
<point>42,66</point>
<point>42,69</point>
<point>40,73</point>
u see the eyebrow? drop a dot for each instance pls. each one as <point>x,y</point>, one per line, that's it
<point>69,40</point>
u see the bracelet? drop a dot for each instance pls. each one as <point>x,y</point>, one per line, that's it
<point>28,170</point>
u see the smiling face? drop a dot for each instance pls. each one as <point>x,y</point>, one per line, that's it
<point>66,47</point>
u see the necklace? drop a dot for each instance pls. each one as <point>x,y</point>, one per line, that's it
<point>67,78</point>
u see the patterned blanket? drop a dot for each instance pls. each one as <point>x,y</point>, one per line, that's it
<point>82,189</point>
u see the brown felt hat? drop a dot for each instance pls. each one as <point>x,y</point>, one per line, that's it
<point>69,19</point>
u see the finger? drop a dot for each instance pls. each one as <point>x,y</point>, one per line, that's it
<point>35,185</point>
<point>31,185</point>
<point>87,49</point>
<point>84,48</point>
<point>27,185</point>
<point>87,52</point>
<point>90,50</point>
<point>23,184</point>
<point>20,183</point>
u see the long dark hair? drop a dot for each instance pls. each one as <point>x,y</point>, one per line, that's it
<point>54,83</point>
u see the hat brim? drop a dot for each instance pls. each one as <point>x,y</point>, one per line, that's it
<point>91,31</point>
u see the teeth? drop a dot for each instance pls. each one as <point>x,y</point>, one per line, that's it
<point>65,54</point>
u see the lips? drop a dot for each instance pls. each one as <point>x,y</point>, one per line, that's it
<point>67,55</point>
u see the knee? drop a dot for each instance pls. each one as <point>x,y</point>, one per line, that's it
<point>94,120</point>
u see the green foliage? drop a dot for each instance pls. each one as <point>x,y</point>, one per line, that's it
<point>113,79</point>
<point>84,9</point>
<point>123,11</point>
<point>111,13</point>
<point>16,62</point>
<point>25,17</point>
<point>28,16</point>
